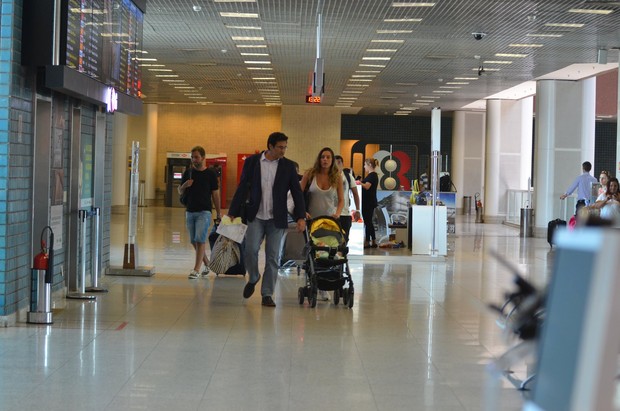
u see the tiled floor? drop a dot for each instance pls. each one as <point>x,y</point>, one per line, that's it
<point>417,338</point>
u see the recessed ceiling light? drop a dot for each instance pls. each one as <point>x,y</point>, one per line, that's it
<point>252,46</point>
<point>402,20</point>
<point>239,15</point>
<point>347,98</point>
<point>260,68</point>
<point>197,97</point>
<point>457,82</point>
<point>396,91</point>
<point>571,25</point>
<point>465,78</point>
<point>443,91</point>
<point>590,11</point>
<point>184,87</point>
<point>257,62</point>
<point>373,65</point>
<point>263,78</point>
<point>143,59</point>
<point>363,75</point>
<point>196,8</point>
<point>358,85</point>
<point>152,65</point>
<point>360,79</point>
<point>352,92</point>
<point>431,96</point>
<point>486,69</point>
<point>524,45</point>
<point>234,1</point>
<point>496,62</point>
<point>543,35</point>
<point>394,31</point>
<point>449,87</point>
<point>174,81</point>
<point>367,71</point>
<point>166,75</point>
<point>387,41</point>
<point>425,101</point>
<point>254,54</point>
<point>382,50</point>
<point>413,4</point>
<point>247,38</point>
<point>159,69</point>
<point>377,58</point>
<point>243,27</point>
<point>510,55</point>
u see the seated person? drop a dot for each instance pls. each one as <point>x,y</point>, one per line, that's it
<point>608,204</point>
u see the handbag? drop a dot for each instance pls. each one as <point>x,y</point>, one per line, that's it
<point>224,254</point>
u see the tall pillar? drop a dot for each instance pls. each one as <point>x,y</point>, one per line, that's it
<point>151,151</point>
<point>508,154</point>
<point>565,123</point>
<point>120,174</point>
<point>467,154</point>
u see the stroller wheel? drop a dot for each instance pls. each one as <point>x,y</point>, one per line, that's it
<point>336,296</point>
<point>300,295</point>
<point>313,297</point>
<point>345,296</point>
<point>350,299</point>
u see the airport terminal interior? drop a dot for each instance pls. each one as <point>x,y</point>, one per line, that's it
<point>418,337</point>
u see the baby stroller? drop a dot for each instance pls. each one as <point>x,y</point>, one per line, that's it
<point>326,265</point>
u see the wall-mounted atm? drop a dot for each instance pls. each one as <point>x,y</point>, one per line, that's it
<point>176,165</point>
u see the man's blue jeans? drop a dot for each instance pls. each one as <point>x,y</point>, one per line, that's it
<point>257,231</point>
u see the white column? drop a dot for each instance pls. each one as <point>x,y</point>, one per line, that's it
<point>491,197</point>
<point>120,173</point>
<point>527,124</point>
<point>565,123</point>
<point>151,151</point>
<point>467,169</point>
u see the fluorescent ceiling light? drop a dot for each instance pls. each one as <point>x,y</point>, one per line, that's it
<point>590,11</point>
<point>382,50</point>
<point>352,92</point>
<point>152,65</point>
<point>373,65</point>
<point>260,68</point>
<point>239,15</point>
<point>254,54</point>
<point>525,45</point>
<point>185,87</point>
<point>174,81</point>
<point>263,78</point>
<point>197,97</point>
<point>454,87</point>
<point>358,85</point>
<point>252,46</point>
<point>143,59</point>
<point>465,78</point>
<point>457,82</point>
<point>442,91</point>
<point>247,38</point>
<point>257,62</point>
<point>347,98</point>
<point>497,62</point>
<point>166,75</point>
<point>431,96</point>
<point>510,55</point>
<point>363,75</point>
<point>543,35</point>
<point>421,104</point>
<point>394,31</point>
<point>367,71</point>
<point>425,101</point>
<point>387,41</point>
<point>486,69</point>
<point>402,20</point>
<point>159,69</point>
<point>377,58</point>
<point>243,27</point>
<point>360,79</point>
<point>413,4</point>
<point>571,25</point>
<point>409,108</point>
<point>234,1</point>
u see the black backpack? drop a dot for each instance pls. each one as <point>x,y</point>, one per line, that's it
<point>183,198</point>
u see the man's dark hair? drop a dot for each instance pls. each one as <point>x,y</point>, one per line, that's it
<point>587,166</point>
<point>200,150</point>
<point>339,157</point>
<point>275,138</point>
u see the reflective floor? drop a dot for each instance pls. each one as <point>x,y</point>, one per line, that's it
<point>417,338</point>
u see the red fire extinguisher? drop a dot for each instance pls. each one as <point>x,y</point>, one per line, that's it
<point>41,260</point>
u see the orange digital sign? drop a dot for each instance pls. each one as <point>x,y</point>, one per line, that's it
<point>313,99</point>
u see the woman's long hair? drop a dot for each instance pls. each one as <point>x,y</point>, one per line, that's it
<point>334,172</point>
<point>609,181</point>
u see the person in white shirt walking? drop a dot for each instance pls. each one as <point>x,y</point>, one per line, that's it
<point>583,185</point>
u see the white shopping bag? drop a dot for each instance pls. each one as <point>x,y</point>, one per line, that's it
<point>235,232</point>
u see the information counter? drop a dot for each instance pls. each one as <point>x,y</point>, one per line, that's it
<point>421,223</point>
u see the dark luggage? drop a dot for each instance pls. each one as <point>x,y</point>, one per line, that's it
<point>237,269</point>
<point>551,227</point>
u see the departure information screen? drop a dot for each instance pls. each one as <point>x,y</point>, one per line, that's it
<point>104,39</point>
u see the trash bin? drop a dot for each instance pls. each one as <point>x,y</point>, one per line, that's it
<point>526,225</point>
<point>466,205</point>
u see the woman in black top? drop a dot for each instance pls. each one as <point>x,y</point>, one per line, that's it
<point>369,201</point>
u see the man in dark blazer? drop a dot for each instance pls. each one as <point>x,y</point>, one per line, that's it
<point>261,200</point>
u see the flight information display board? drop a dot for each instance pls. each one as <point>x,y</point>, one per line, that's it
<point>104,40</point>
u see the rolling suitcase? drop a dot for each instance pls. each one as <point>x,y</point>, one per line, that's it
<point>551,227</point>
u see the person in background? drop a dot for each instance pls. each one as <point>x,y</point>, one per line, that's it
<point>603,179</point>
<point>265,179</point>
<point>347,216</point>
<point>583,185</point>
<point>324,184</point>
<point>202,187</point>
<point>369,201</point>
<point>609,205</point>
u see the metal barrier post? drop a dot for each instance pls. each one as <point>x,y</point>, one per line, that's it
<point>81,279</point>
<point>95,252</point>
